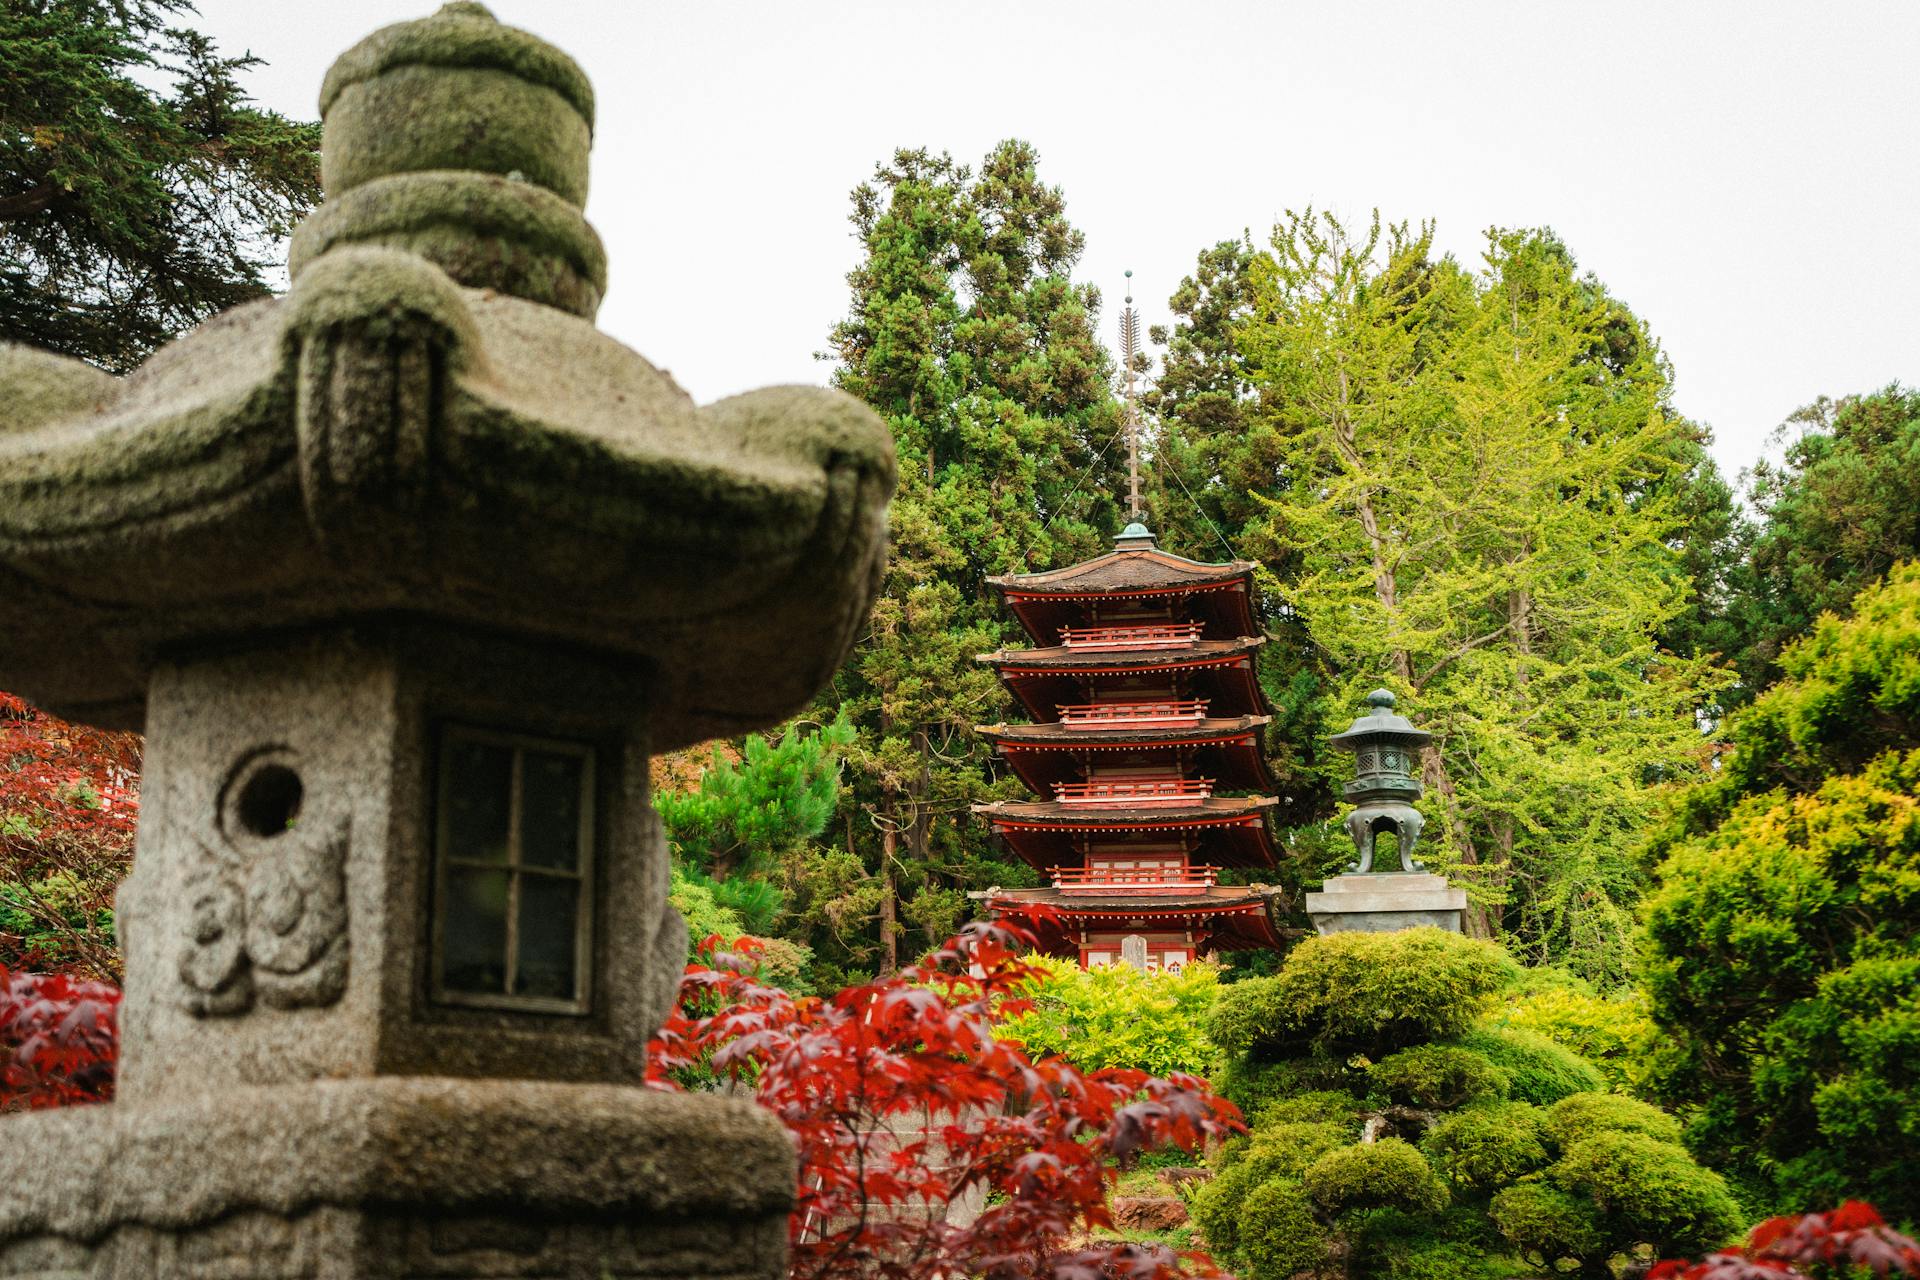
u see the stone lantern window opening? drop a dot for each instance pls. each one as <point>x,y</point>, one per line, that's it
<point>513,882</point>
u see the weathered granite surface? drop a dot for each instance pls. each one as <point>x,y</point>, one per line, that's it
<point>1385,901</point>
<point>428,422</point>
<point>312,547</point>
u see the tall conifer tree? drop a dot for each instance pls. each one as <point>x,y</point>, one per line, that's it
<point>967,332</point>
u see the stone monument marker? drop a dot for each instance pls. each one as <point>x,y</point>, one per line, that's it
<point>1384,826</point>
<point>406,574</point>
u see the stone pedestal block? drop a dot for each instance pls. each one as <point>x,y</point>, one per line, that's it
<point>399,1179</point>
<point>1381,902</point>
<point>280,922</point>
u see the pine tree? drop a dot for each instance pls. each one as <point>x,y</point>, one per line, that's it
<point>967,332</point>
<point>129,213</point>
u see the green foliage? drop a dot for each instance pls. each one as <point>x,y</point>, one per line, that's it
<point>1487,1146</point>
<point>1365,992</point>
<point>1470,485</point>
<point>1615,1032</point>
<point>1286,1149</point>
<point>1841,509</point>
<point>1545,1224</point>
<point>968,334</point>
<point>1540,1071</point>
<point>1439,1075</point>
<point>1442,1260</point>
<point>1277,1232</point>
<point>738,833</point>
<point>1649,1192</point>
<point>1117,1016</point>
<point>1292,1088</point>
<point>1784,939</point>
<point>133,208</point>
<point>1579,1116</point>
<point>1389,1173</point>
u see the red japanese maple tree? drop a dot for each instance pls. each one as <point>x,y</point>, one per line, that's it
<point>1847,1241</point>
<point>902,1103</point>
<point>58,1040</point>
<point>69,799</point>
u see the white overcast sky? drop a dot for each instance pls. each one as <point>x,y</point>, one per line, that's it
<point>1745,175</point>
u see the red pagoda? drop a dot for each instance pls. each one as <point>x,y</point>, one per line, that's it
<point>1145,754</point>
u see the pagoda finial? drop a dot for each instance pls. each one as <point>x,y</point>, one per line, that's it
<point>1129,352</point>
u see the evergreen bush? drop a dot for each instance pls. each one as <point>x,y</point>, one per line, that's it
<point>1539,1071</point>
<point>1369,993</point>
<point>1439,1075</point>
<point>1545,1224</point>
<point>1390,1173</point>
<point>1278,1232</point>
<point>1487,1146</point>
<point>1649,1192</point>
<point>1582,1115</point>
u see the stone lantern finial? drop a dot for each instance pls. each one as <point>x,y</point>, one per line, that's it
<point>405,574</point>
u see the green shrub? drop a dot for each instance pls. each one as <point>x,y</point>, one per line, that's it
<point>1582,1115</point>
<point>1117,1016</point>
<point>1387,1173</point>
<point>1486,1146</point>
<point>1441,1260</point>
<point>1255,1085</point>
<point>1278,1235</point>
<point>1285,1150</point>
<point>1366,992</point>
<point>1320,1106</point>
<point>1614,1033</point>
<point>1784,935</point>
<point>1541,1072</point>
<point>1649,1192</point>
<point>1545,1224</point>
<point>1439,1075</point>
<point>1216,1207</point>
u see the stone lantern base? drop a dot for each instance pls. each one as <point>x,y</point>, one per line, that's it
<point>1384,901</point>
<point>399,1178</point>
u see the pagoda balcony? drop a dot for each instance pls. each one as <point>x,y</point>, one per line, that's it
<point>1133,715</point>
<point>1159,635</point>
<point>1123,792</point>
<point>1172,877</point>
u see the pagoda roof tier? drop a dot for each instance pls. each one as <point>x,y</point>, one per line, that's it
<point>1142,569</point>
<point>1225,749</point>
<point>1225,830</point>
<point>1135,572</point>
<point>1227,917</point>
<point>1220,672</point>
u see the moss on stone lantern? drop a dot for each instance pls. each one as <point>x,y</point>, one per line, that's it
<point>405,574</point>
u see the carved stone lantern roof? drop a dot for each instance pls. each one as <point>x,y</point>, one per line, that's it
<point>429,425</point>
<point>1379,722</point>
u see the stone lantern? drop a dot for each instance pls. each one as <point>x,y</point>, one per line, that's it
<point>406,574</point>
<point>1386,749</point>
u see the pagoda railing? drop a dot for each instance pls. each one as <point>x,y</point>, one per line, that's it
<point>1173,877</point>
<point>1133,715</point>
<point>1158,635</point>
<point>1126,791</point>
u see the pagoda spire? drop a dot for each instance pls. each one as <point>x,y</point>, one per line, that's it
<point>1129,350</point>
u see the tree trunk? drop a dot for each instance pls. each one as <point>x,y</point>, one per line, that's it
<point>889,907</point>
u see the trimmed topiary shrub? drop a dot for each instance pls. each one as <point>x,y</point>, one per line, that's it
<point>1278,1235</point>
<point>1283,1150</point>
<point>1215,1208</point>
<point>1254,1084</point>
<point>1582,1115</point>
<point>1649,1192</point>
<point>1389,1173</point>
<point>1439,1075</point>
<point>1539,1071</point>
<point>1486,1146</point>
<point>1370,993</point>
<point>1544,1224</point>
